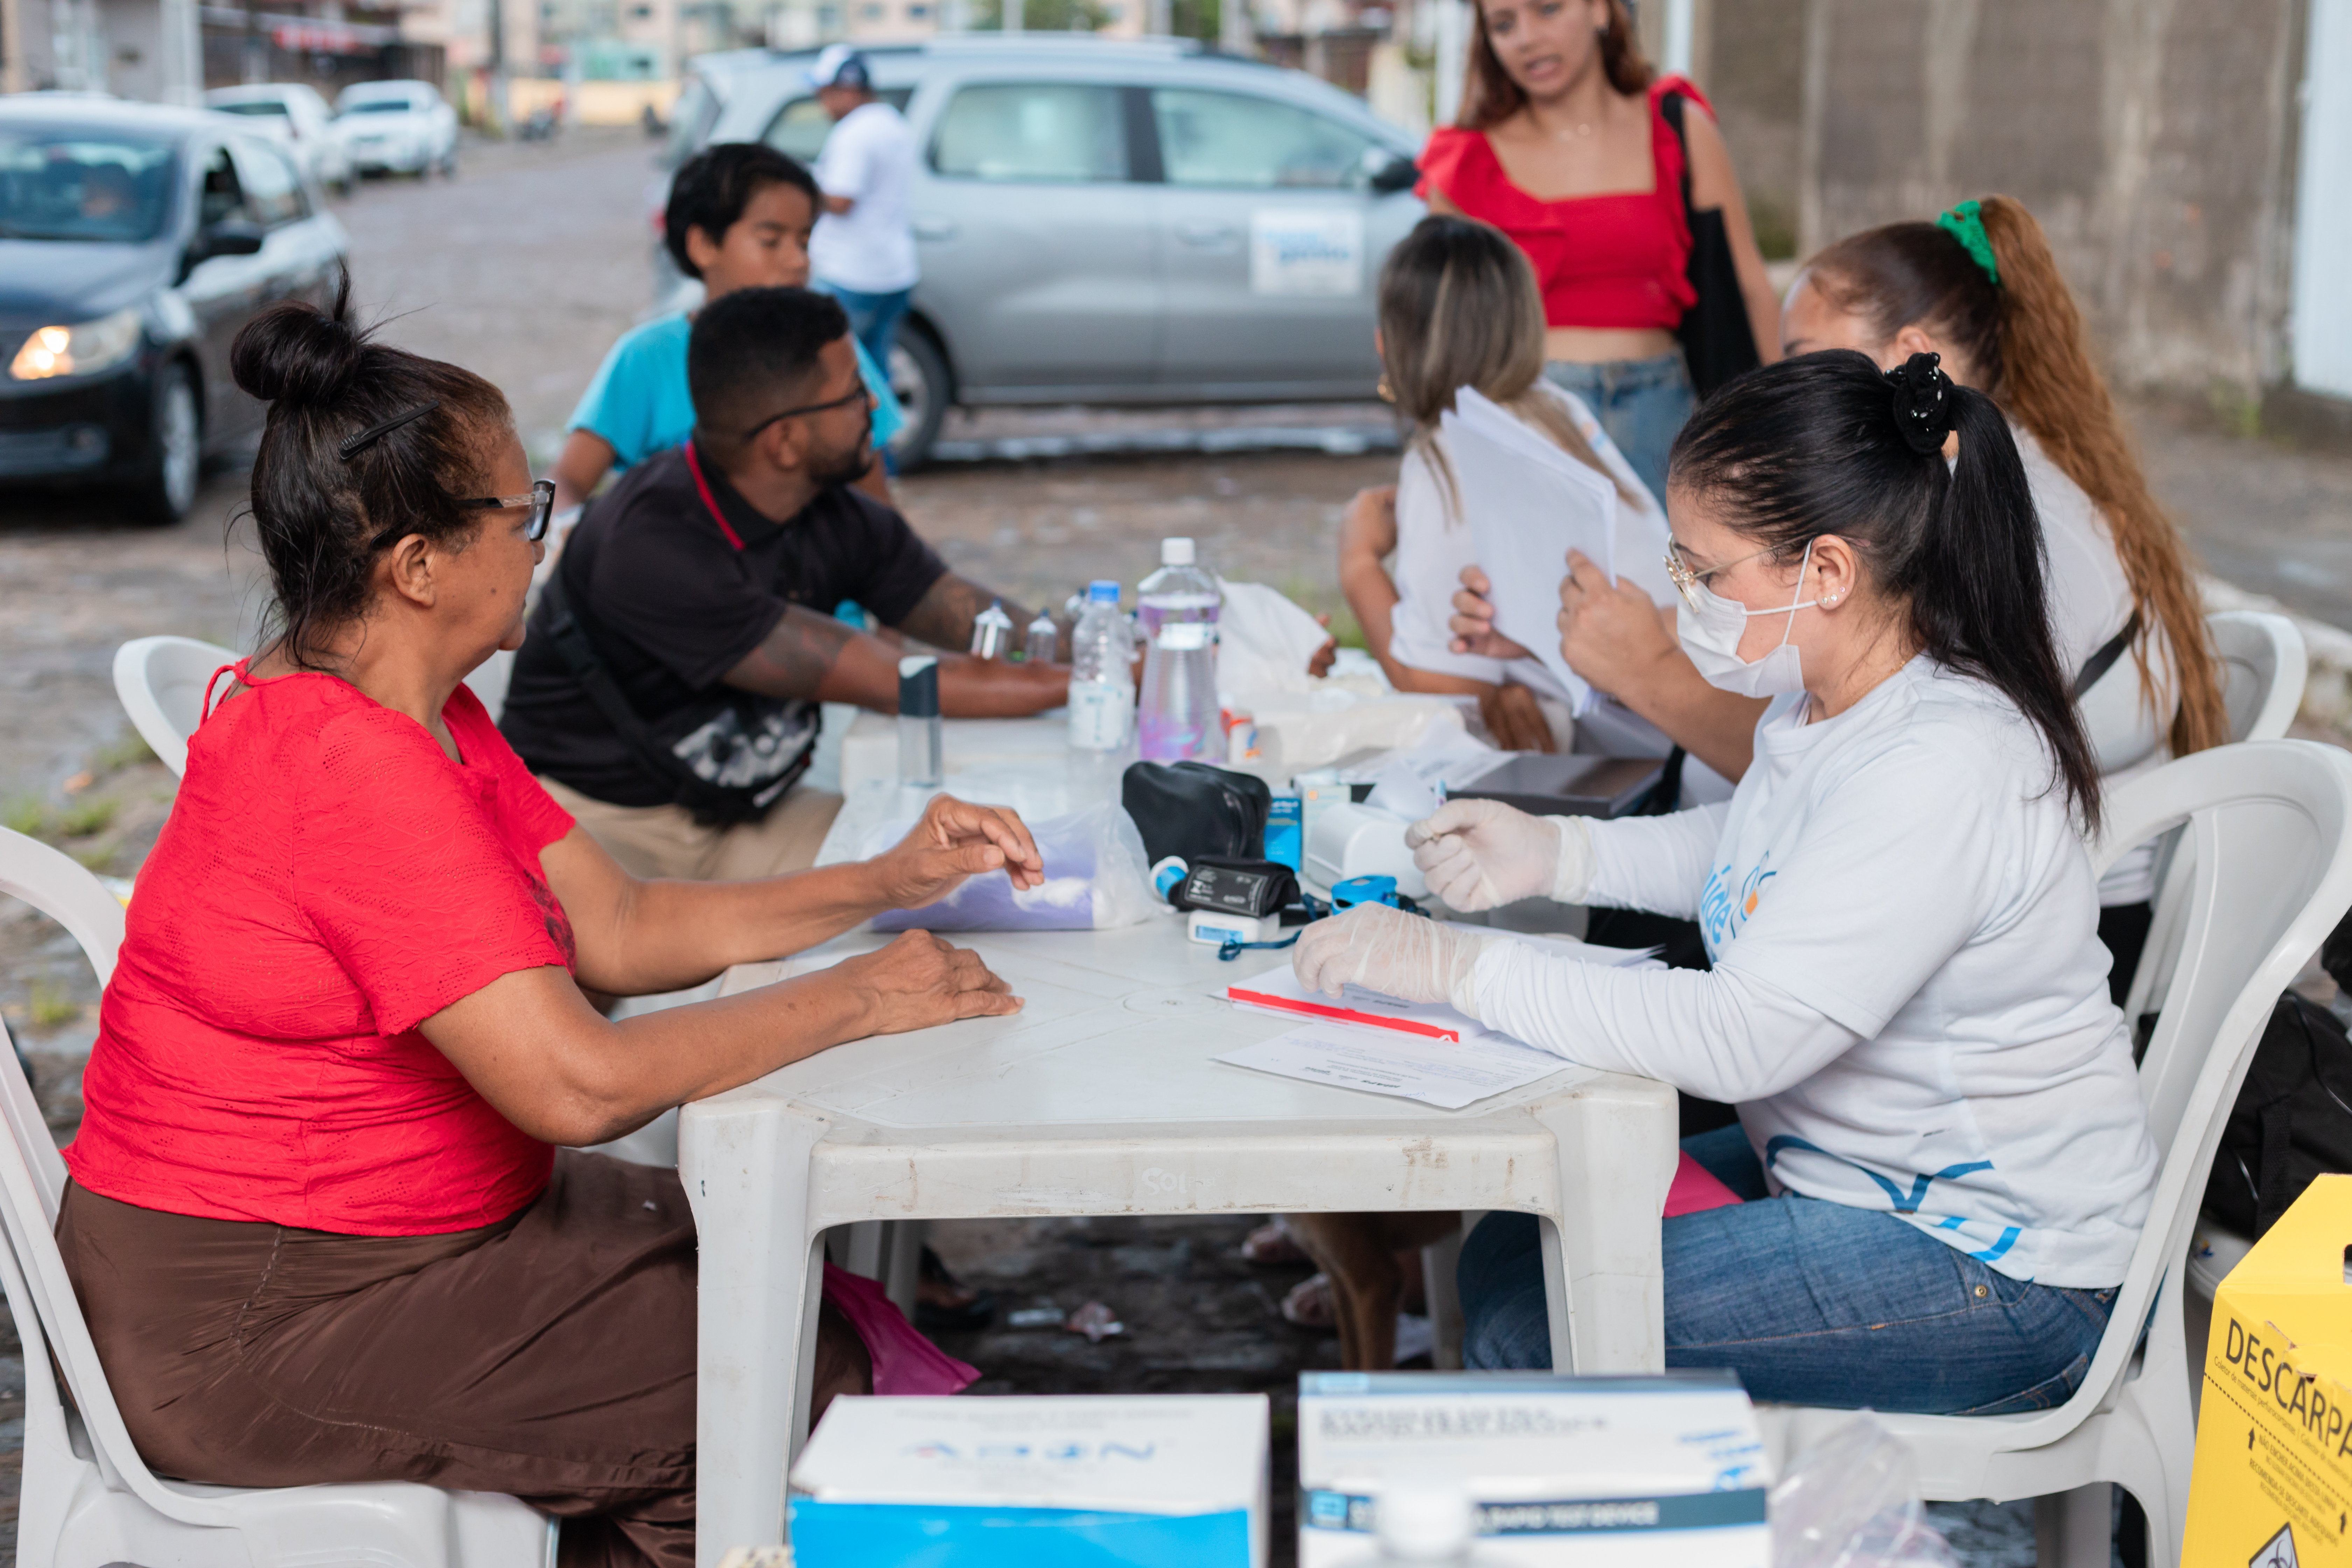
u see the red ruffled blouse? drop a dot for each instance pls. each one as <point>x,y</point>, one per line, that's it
<point>1616,260</point>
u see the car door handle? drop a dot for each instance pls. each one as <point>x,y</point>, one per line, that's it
<point>934,228</point>
<point>1204,233</point>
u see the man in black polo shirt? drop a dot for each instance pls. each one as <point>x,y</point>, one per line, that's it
<point>666,694</point>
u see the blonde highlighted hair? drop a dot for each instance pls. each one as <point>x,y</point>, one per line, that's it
<point>2026,339</point>
<point>1459,307</point>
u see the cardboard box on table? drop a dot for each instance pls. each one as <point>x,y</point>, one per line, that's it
<point>2272,1485</point>
<point>1035,1481</point>
<point>1597,1472</point>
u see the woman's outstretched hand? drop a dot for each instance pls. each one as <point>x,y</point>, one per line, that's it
<point>920,981</point>
<point>1472,621</point>
<point>954,840</point>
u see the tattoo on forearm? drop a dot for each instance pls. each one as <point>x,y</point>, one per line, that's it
<point>943,616</point>
<point>792,660</point>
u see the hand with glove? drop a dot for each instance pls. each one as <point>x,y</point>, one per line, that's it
<point>1481,854</point>
<point>1410,957</point>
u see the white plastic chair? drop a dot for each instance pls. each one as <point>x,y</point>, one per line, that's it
<point>88,1497</point>
<point>161,683</point>
<point>2264,667</point>
<point>2270,823</point>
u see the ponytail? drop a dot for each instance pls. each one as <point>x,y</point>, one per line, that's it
<point>1985,282</point>
<point>1826,444</point>
<point>2050,384</point>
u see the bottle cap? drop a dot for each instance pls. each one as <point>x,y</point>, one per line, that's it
<point>1102,591</point>
<point>1175,552</point>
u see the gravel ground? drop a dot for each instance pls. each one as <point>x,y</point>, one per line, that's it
<point>525,268</point>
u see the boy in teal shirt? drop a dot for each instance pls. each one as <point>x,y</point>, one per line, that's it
<point>739,218</point>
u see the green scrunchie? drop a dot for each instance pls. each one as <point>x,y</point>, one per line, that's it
<point>1965,223</point>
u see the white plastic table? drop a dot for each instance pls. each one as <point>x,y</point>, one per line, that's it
<point>1102,1098</point>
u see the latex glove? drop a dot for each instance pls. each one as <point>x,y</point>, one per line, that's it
<point>1481,854</point>
<point>1410,957</point>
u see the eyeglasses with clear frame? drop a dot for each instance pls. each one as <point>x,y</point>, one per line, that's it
<point>1688,579</point>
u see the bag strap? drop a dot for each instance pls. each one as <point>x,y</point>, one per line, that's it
<point>571,641</point>
<point>1670,109</point>
<point>2103,660</point>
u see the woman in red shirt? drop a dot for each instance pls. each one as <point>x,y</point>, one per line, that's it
<point>318,1219</point>
<point>1562,144</point>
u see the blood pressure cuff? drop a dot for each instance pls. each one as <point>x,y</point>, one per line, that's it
<point>1236,885</point>
<point>1196,811</point>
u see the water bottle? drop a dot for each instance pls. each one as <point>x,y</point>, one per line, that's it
<point>1179,715</point>
<point>1102,678</point>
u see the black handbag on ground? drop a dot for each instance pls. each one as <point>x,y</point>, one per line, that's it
<point>1192,809</point>
<point>1718,340</point>
<point>2292,1119</point>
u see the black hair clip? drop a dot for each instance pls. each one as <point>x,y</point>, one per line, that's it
<point>1923,402</point>
<point>353,445</point>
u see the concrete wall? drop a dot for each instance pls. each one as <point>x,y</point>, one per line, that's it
<point>2155,140</point>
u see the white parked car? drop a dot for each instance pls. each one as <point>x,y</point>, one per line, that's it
<point>401,127</point>
<point>298,116</point>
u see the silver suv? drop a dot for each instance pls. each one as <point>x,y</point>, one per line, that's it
<point>1108,222</point>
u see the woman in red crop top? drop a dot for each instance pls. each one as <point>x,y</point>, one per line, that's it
<point>1561,145</point>
<point>318,1221</point>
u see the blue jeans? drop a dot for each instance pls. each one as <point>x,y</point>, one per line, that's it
<point>1812,1303</point>
<point>873,318</point>
<point>1642,403</point>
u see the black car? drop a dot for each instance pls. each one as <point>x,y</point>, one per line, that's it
<point>135,240</point>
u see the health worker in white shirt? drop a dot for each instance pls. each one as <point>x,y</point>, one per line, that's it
<point>863,251</point>
<point>1941,1152</point>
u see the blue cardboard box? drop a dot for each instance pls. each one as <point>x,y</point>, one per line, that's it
<point>1044,1481</point>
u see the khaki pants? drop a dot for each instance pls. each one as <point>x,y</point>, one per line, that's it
<point>666,840</point>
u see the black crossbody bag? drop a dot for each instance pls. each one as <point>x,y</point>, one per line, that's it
<point>746,750</point>
<point>1718,340</point>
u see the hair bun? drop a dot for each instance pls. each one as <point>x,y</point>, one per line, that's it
<point>1923,402</point>
<point>296,352</point>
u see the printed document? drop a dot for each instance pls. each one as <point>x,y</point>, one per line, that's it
<point>1414,1050</point>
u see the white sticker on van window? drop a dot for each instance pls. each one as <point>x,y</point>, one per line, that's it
<point>1307,250</point>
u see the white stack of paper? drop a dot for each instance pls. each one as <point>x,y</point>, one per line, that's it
<point>1528,504</point>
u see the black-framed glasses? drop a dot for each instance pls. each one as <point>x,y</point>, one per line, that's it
<point>540,500</point>
<point>861,391</point>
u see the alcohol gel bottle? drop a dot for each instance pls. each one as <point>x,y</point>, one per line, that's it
<point>1102,679</point>
<point>1043,641</point>
<point>991,631</point>
<point>1179,715</point>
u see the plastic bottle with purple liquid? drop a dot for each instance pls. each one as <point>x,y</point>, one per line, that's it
<point>1178,718</point>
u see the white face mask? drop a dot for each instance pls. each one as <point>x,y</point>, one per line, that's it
<point>1710,628</point>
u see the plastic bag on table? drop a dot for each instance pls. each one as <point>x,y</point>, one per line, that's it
<point>1852,1501</point>
<point>1096,878</point>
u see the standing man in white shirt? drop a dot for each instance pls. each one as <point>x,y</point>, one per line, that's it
<point>863,252</point>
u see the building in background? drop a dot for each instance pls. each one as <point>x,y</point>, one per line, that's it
<point>2193,163</point>
<point>146,49</point>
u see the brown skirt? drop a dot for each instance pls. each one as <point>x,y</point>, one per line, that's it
<point>550,1355</point>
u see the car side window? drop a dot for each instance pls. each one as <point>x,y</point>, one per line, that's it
<point>1237,141</point>
<point>1033,131</point>
<point>273,191</point>
<point>801,126</point>
<point>221,199</point>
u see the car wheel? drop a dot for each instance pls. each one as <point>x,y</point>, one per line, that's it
<point>919,380</point>
<point>168,488</point>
